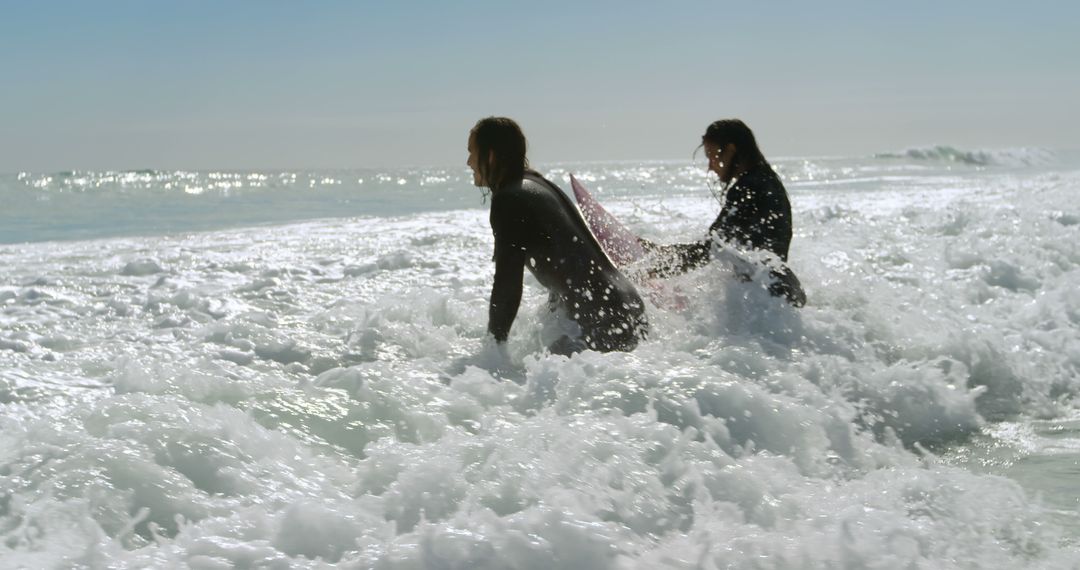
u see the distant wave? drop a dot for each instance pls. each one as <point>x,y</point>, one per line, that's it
<point>1023,156</point>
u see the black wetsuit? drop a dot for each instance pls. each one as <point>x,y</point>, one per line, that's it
<point>757,215</point>
<point>536,226</point>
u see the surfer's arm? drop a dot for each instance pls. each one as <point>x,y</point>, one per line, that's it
<point>676,258</point>
<point>509,269</point>
<point>505,292</point>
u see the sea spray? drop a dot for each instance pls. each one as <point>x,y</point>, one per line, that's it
<point>320,392</point>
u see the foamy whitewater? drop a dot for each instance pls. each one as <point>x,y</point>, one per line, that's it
<point>288,370</point>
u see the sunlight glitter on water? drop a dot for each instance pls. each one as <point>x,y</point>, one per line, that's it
<point>319,391</point>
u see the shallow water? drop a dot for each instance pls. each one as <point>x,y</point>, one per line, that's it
<point>185,389</point>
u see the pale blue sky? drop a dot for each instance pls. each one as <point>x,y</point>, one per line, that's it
<point>244,84</point>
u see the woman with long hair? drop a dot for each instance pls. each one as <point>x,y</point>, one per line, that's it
<point>536,226</point>
<point>755,215</point>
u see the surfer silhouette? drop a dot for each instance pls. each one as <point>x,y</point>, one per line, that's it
<point>755,215</point>
<point>537,226</point>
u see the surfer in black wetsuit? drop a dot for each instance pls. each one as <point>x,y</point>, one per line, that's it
<point>536,226</point>
<point>756,214</point>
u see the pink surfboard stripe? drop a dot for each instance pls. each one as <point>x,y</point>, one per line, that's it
<point>622,246</point>
<point>620,243</point>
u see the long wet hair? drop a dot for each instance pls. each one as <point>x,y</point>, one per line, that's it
<point>500,148</point>
<point>734,131</point>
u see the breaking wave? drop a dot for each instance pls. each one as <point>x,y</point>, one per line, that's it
<point>1021,156</point>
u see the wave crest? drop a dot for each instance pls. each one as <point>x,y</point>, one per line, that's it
<point>1021,156</point>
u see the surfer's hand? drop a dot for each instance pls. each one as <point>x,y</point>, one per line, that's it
<point>492,356</point>
<point>649,246</point>
<point>638,271</point>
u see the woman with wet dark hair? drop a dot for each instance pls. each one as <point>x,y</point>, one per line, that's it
<point>755,215</point>
<point>536,226</point>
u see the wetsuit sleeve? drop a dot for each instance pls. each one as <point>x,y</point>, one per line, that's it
<point>679,258</point>
<point>507,224</point>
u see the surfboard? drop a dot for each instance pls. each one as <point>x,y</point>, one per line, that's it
<point>622,246</point>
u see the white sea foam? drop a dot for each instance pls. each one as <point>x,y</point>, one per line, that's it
<point>320,393</point>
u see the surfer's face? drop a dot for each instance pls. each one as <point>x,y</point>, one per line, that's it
<point>473,163</point>
<point>721,160</point>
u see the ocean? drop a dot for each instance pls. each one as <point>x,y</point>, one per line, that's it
<point>287,369</point>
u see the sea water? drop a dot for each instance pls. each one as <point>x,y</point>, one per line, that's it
<point>284,369</point>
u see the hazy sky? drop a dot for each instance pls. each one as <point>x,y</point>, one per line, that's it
<point>269,84</point>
